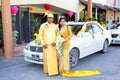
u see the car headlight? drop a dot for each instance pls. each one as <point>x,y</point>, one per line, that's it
<point>27,47</point>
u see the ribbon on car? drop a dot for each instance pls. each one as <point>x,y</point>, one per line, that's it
<point>37,40</point>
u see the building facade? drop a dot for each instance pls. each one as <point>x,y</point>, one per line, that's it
<point>35,9</point>
<point>114,15</point>
<point>107,10</point>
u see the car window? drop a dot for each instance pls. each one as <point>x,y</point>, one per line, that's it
<point>118,25</point>
<point>89,28</point>
<point>76,28</point>
<point>96,28</point>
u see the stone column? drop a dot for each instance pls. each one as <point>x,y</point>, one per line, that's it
<point>114,11</point>
<point>96,13</point>
<point>106,11</point>
<point>7,28</point>
<point>89,8</point>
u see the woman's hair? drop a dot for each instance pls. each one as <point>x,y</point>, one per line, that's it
<point>61,17</point>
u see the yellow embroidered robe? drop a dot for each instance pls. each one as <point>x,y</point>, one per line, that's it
<point>64,65</point>
<point>64,59</point>
<point>47,36</point>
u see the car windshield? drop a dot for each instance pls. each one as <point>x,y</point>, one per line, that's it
<point>114,26</point>
<point>76,28</point>
<point>118,25</point>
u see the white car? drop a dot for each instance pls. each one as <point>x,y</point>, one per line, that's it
<point>89,37</point>
<point>115,33</point>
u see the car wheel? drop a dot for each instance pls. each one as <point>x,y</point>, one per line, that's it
<point>74,57</point>
<point>105,47</point>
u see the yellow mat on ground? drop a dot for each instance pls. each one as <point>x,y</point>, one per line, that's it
<point>79,73</point>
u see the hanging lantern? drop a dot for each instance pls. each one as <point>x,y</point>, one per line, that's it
<point>70,13</point>
<point>47,6</point>
<point>14,10</point>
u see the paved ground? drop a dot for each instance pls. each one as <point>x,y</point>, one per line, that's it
<point>108,64</point>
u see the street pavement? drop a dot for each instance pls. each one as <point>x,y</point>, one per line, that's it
<point>108,64</point>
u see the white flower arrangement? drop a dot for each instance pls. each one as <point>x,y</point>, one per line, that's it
<point>59,42</point>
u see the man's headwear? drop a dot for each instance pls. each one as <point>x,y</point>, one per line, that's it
<point>50,15</point>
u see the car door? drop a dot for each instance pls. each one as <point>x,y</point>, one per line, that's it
<point>87,40</point>
<point>98,37</point>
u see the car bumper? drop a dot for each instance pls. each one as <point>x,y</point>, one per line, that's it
<point>115,41</point>
<point>33,57</point>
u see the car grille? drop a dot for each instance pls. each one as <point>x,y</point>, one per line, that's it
<point>114,35</point>
<point>36,49</point>
<point>30,58</point>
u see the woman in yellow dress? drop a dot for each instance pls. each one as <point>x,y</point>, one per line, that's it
<point>64,63</point>
<point>66,33</point>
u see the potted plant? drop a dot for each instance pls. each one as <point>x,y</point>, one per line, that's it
<point>34,22</point>
<point>34,25</point>
<point>15,35</point>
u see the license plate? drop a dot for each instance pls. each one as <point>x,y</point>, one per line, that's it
<point>36,57</point>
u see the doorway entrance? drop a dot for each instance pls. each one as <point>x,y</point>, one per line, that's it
<point>22,25</point>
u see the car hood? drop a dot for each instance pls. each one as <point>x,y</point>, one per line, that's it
<point>32,43</point>
<point>115,31</point>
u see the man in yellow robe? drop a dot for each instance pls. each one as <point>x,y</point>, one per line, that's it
<point>48,34</point>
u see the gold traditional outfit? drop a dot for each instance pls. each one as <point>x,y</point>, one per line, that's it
<point>48,35</point>
<point>103,25</point>
<point>64,64</point>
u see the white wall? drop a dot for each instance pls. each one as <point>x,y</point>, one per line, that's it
<point>69,5</point>
<point>36,9</point>
<point>99,1</point>
<point>110,16</point>
<point>72,5</point>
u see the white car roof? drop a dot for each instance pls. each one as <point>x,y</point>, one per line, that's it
<point>75,23</point>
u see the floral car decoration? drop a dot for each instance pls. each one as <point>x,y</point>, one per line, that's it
<point>37,39</point>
